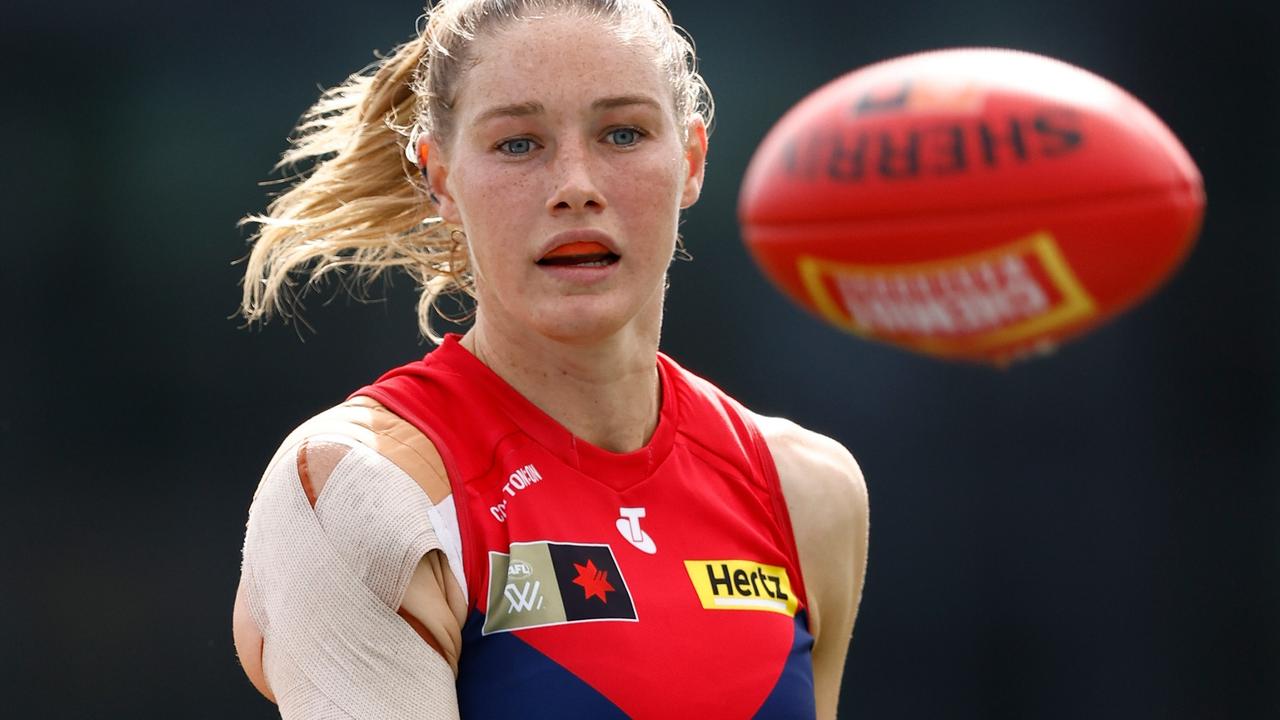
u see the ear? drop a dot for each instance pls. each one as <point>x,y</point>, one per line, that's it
<point>695,155</point>
<point>432,161</point>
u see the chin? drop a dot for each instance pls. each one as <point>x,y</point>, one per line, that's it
<point>582,320</point>
<point>577,330</point>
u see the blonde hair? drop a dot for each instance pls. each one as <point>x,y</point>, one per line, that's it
<point>362,207</point>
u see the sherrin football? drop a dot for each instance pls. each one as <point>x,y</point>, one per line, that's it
<point>973,204</point>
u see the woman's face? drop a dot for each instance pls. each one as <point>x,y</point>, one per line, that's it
<point>567,172</point>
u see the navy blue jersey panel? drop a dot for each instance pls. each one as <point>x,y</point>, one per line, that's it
<point>792,696</point>
<point>502,677</point>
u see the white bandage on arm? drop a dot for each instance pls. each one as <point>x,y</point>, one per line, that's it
<point>323,586</point>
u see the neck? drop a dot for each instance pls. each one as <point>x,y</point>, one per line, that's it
<point>605,392</point>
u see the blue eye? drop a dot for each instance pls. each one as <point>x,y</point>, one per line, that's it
<point>516,146</point>
<point>624,137</point>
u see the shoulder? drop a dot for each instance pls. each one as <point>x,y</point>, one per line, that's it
<point>375,450</point>
<point>826,497</point>
<point>817,473</point>
<point>363,421</point>
<point>410,558</point>
<point>373,440</point>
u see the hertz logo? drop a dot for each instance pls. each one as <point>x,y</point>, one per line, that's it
<point>742,585</point>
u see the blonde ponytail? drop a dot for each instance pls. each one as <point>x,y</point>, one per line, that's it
<point>362,208</point>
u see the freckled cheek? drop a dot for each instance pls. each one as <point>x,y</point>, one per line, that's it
<point>497,216</point>
<point>648,200</point>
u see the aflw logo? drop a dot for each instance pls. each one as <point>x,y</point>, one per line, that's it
<point>742,585</point>
<point>523,598</point>
<point>541,583</point>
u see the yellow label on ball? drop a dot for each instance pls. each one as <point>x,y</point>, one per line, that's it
<point>966,304</point>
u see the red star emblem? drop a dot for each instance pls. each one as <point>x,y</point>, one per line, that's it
<point>593,580</point>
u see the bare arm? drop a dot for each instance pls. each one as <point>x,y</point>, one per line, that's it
<point>827,499</point>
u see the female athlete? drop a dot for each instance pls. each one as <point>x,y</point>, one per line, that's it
<point>544,517</point>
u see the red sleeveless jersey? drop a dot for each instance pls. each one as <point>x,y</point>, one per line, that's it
<point>661,583</point>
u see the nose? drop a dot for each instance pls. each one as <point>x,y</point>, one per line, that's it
<point>576,187</point>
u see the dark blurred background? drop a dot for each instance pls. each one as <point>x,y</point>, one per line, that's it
<point>1089,535</point>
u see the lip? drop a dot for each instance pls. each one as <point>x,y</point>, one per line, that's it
<point>584,235</point>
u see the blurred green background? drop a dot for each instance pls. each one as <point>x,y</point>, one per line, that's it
<point>1089,535</point>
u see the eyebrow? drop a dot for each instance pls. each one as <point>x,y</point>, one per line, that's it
<point>624,100</point>
<point>514,110</point>
<point>525,109</point>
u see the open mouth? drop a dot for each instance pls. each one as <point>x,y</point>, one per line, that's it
<point>580,254</point>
